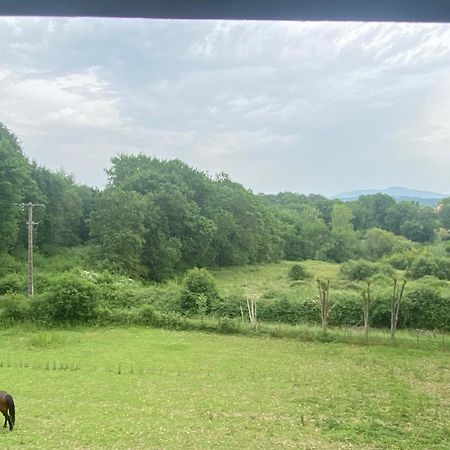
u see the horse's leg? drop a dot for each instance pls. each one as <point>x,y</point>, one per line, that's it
<point>4,425</point>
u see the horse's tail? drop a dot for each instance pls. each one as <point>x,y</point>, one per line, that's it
<point>11,408</point>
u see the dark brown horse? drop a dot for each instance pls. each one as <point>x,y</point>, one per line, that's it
<point>8,409</point>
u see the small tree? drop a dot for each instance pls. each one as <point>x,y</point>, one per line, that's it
<point>397,295</point>
<point>202,305</point>
<point>324,291</point>
<point>252,312</point>
<point>366,305</point>
<point>199,291</point>
<point>298,272</point>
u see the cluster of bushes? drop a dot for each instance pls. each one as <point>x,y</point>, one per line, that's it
<point>358,270</point>
<point>424,308</point>
<point>87,297</point>
<point>438,267</point>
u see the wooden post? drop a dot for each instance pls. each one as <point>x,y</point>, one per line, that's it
<point>397,295</point>
<point>324,291</point>
<point>366,305</point>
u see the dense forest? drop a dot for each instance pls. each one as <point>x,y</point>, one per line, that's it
<point>157,218</point>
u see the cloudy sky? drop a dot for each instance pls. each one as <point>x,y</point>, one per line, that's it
<point>305,107</point>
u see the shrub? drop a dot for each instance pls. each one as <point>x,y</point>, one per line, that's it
<point>380,311</point>
<point>298,272</point>
<point>283,309</point>
<point>13,282</point>
<point>346,309</point>
<point>9,264</point>
<point>68,299</point>
<point>198,283</point>
<point>399,261</point>
<point>358,270</point>
<point>148,316</point>
<point>425,308</point>
<point>230,305</point>
<point>14,307</point>
<point>423,266</point>
<point>442,270</point>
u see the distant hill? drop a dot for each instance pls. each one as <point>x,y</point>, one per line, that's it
<point>398,193</point>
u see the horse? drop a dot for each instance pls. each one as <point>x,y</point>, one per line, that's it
<point>8,409</point>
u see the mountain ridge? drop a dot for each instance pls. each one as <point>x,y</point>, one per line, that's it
<point>399,193</point>
<point>394,191</point>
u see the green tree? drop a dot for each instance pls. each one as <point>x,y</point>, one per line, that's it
<point>117,227</point>
<point>343,243</point>
<point>14,178</point>
<point>378,243</point>
<point>444,214</point>
<point>199,291</point>
<point>305,233</point>
<point>61,220</point>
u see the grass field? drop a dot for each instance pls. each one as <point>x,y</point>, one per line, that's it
<point>258,279</point>
<point>131,388</point>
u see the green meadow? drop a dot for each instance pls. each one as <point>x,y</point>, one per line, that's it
<point>136,387</point>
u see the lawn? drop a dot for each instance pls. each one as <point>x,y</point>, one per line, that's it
<point>131,388</point>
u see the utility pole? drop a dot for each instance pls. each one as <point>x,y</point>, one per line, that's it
<point>30,224</point>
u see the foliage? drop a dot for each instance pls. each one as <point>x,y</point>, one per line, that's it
<point>9,264</point>
<point>69,299</point>
<point>14,180</point>
<point>343,239</point>
<point>426,309</point>
<point>346,309</point>
<point>13,282</point>
<point>117,225</point>
<point>444,213</point>
<point>14,307</point>
<point>361,269</point>
<point>299,272</point>
<point>198,284</point>
<point>435,266</point>
<point>378,243</point>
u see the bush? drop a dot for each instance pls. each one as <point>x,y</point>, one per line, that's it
<point>283,309</point>
<point>14,307</point>
<point>298,272</point>
<point>442,268</point>
<point>358,270</point>
<point>199,287</point>
<point>13,282</point>
<point>346,309</point>
<point>425,308</point>
<point>9,264</point>
<point>230,306</point>
<point>69,299</point>
<point>380,311</point>
<point>423,266</point>
<point>399,261</point>
<point>148,316</point>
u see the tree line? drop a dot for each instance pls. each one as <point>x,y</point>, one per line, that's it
<point>156,218</point>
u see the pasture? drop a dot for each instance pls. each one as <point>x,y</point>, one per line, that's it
<point>134,387</point>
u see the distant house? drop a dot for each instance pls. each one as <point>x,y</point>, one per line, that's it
<point>438,208</point>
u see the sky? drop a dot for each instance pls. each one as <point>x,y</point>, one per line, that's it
<point>310,107</point>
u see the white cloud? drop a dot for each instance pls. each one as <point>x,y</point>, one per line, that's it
<point>275,104</point>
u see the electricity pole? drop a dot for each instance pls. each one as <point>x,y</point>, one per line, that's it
<point>30,223</point>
